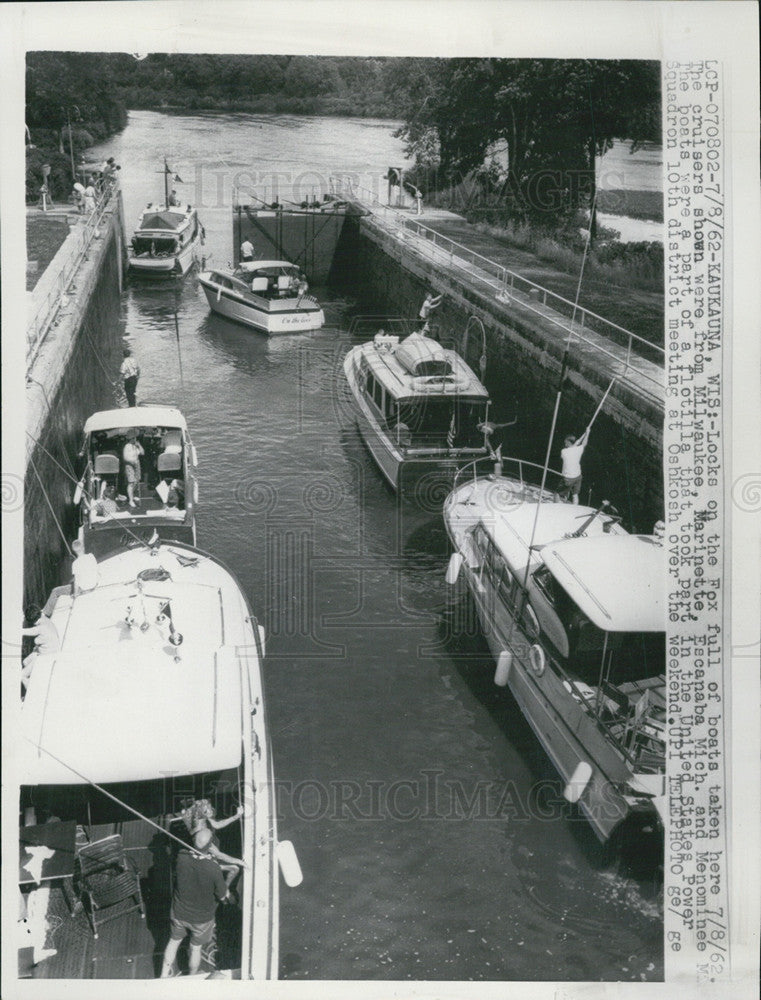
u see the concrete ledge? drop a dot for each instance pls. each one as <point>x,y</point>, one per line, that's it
<point>47,370</point>
<point>634,401</point>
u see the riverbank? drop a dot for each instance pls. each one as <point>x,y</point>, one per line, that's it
<point>330,107</point>
<point>613,290</point>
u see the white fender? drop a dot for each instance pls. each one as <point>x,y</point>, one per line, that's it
<point>78,492</point>
<point>579,781</point>
<point>502,673</point>
<point>289,864</point>
<point>453,569</point>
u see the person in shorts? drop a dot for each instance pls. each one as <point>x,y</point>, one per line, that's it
<point>199,886</point>
<point>571,470</point>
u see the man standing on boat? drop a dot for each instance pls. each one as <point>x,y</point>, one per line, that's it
<point>130,372</point>
<point>571,471</point>
<point>199,886</point>
<point>247,250</point>
<point>430,303</point>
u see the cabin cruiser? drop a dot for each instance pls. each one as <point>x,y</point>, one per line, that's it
<point>165,241</point>
<point>268,295</point>
<point>152,699</point>
<point>420,409</point>
<point>167,236</point>
<point>572,607</point>
<point>165,495</point>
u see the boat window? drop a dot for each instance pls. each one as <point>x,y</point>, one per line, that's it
<point>495,567</point>
<point>436,420</point>
<point>546,583</point>
<point>375,391</point>
<point>630,655</point>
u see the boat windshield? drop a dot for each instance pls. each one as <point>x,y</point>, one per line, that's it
<point>155,246</point>
<point>443,421</point>
<point>627,656</point>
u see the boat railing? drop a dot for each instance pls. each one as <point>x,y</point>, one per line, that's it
<point>72,254</point>
<point>622,728</point>
<point>401,325</point>
<point>581,323</point>
<point>528,474</point>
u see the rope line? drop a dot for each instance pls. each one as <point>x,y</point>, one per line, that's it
<point>118,801</point>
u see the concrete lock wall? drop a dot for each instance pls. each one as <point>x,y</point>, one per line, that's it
<point>623,461</point>
<point>306,238</point>
<point>71,380</point>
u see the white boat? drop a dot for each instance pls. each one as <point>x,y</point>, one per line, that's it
<point>167,493</point>
<point>165,242</point>
<point>268,295</point>
<point>166,239</point>
<point>572,607</point>
<point>420,409</point>
<point>153,697</point>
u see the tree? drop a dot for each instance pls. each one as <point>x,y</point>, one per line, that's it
<point>554,116</point>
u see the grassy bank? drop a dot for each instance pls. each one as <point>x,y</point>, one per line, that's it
<point>44,238</point>
<point>633,265</point>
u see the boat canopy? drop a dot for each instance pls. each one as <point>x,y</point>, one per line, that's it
<point>618,582</point>
<point>513,531</point>
<point>260,265</point>
<point>419,355</point>
<point>402,384</point>
<point>166,221</point>
<point>135,416</point>
<point>130,713</point>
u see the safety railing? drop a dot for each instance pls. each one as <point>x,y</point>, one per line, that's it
<point>528,474</point>
<point>73,251</point>
<point>506,284</point>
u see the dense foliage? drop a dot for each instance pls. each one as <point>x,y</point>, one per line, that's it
<point>76,99</point>
<point>297,84</point>
<point>523,133</point>
<point>71,103</point>
<point>548,118</point>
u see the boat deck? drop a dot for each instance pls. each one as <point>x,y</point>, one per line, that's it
<point>128,946</point>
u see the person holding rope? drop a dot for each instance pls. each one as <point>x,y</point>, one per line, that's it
<point>201,815</point>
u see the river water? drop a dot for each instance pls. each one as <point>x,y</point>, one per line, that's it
<point>427,820</point>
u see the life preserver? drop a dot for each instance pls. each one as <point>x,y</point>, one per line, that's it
<point>538,659</point>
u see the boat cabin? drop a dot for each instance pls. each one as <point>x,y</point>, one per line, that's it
<point>149,703</point>
<point>593,609</point>
<point>272,279</point>
<point>422,395</point>
<point>167,490</point>
<point>164,232</point>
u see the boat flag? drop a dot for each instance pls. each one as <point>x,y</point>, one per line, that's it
<point>178,179</point>
<point>451,432</point>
